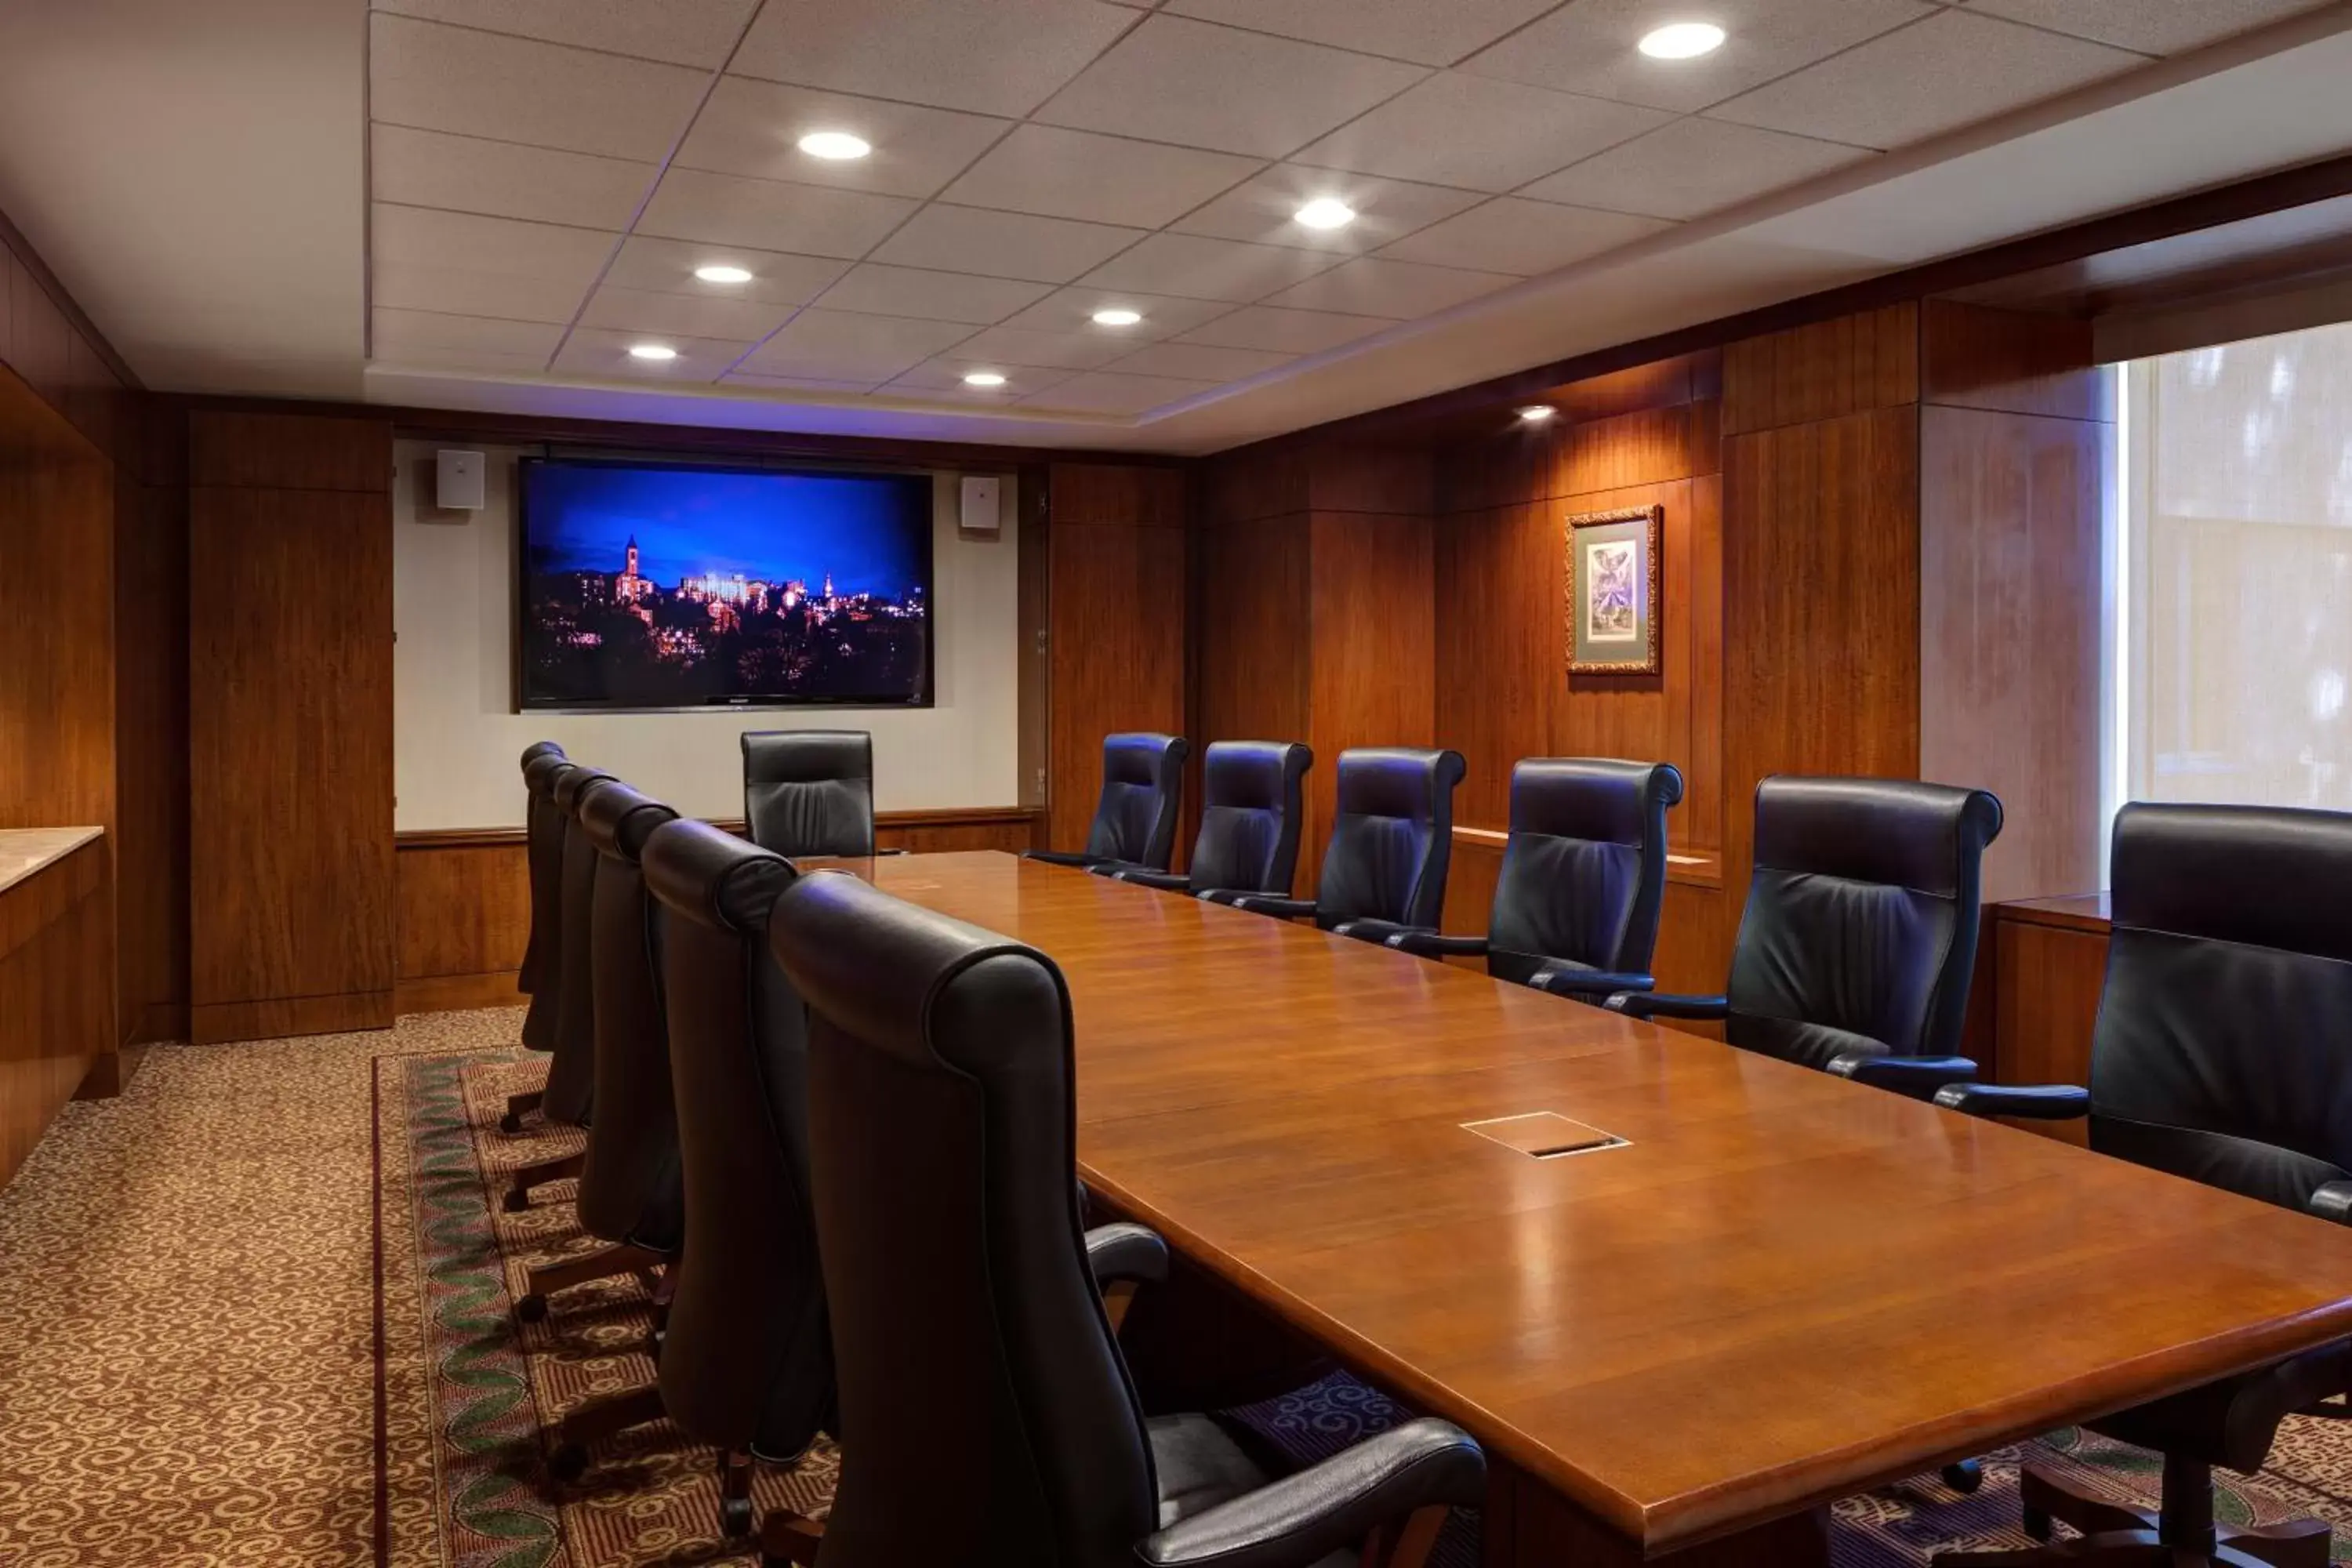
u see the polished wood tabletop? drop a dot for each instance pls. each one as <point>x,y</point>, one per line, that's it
<point>1781,1288</point>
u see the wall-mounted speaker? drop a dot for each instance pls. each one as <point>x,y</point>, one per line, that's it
<point>457,480</point>
<point>981,500</point>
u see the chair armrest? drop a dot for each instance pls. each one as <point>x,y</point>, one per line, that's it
<point>897,851</point>
<point>1587,985</point>
<point>1918,1077</point>
<point>1262,903</point>
<point>1124,1251</point>
<point>1663,1005</point>
<point>1436,944</point>
<point>1376,932</point>
<point>1145,876</point>
<point>1063,858</point>
<point>2037,1101</point>
<point>2332,1201</point>
<point>1332,1506</point>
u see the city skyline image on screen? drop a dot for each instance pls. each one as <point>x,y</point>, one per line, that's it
<point>656,587</point>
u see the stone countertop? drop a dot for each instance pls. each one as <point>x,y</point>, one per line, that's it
<point>26,851</point>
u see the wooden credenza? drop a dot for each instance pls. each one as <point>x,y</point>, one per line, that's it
<point>56,976</point>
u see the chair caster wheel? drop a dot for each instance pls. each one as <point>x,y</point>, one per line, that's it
<point>515,1201</point>
<point>568,1463</point>
<point>1964,1477</point>
<point>531,1308</point>
<point>735,1517</point>
<point>511,1124</point>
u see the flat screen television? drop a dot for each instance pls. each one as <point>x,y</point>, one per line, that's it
<point>653,585</point>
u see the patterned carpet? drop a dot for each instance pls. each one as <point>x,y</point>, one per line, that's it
<point>197,1292</point>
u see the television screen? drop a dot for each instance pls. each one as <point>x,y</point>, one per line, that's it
<point>646,586</point>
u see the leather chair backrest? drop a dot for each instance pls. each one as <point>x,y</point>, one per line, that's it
<point>2222,1051</point>
<point>967,1322</point>
<point>1143,780</point>
<point>629,1187</point>
<point>539,749</point>
<point>1860,934</point>
<point>809,792</point>
<point>1249,815</point>
<point>572,1075</point>
<point>1391,836</point>
<point>747,1360</point>
<point>543,822</point>
<point>1584,869</point>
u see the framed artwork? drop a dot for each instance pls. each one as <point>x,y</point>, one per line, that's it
<point>1613,590</point>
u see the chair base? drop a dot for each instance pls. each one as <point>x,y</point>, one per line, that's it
<point>2113,1536</point>
<point>602,1264</point>
<point>517,1106</point>
<point>567,1459</point>
<point>518,1196</point>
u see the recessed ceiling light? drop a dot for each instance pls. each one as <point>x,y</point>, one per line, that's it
<point>652,352</point>
<point>983,378</point>
<point>835,146</point>
<point>1118,316</point>
<point>1682,41</point>
<point>1326,212</point>
<point>724,274</point>
<point>1537,413</point>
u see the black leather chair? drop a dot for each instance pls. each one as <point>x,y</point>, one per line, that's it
<point>1392,842</point>
<point>1135,818</point>
<point>542,953</point>
<point>1583,875</point>
<point>809,792</point>
<point>1860,936</point>
<point>2222,1055</point>
<point>571,1075</point>
<point>966,1318</point>
<point>1249,822</point>
<point>746,1360</point>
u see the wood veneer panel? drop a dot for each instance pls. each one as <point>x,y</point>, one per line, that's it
<point>290,729</point>
<point>1973,356</point>
<point>2010,591</point>
<point>290,452</point>
<point>1638,449</point>
<point>1251,485</point>
<point>1843,1235</point>
<point>454,993</point>
<point>56,1013</point>
<point>150,620</point>
<point>1117,653</point>
<point>1822,371</point>
<point>1392,479</point>
<point>2048,985</point>
<point>1121,496</point>
<point>41,340</point>
<point>463,910</point>
<point>1499,662</point>
<point>1373,636</point>
<point>1253,648</point>
<point>219,1022</point>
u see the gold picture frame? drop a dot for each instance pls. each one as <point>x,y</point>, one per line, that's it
<point>1614,608</point>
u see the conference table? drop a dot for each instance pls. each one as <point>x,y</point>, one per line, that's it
<point>1753,1289</point>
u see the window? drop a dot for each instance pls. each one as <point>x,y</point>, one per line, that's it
<point>2233,621</point>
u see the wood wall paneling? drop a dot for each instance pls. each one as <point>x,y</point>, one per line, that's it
<point>150,620</point>
<point>2015,362</point>
<point>292,920</point>
<point>1372,635</point>
<point>1498,665</point>
<point>57,1011</point>
<point>1821,372</point>
<point>2047,987</point>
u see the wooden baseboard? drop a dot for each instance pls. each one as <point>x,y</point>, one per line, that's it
<point>157,1022</point>
<point>112,1073</point>
<point>216,1023</point>
<point>452,992</point>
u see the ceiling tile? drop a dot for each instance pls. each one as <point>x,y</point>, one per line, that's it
<point>668,266</point>
<point>1177,80</point>
<point>1194,267</point>
<point>1480,135</point>
<point>1073,310</point>
<point>1589,47</point>
<point>1435,33</point>
<point>946,373</point>
<point>1200,362</point>
<point>2154,26</point>
<point>683,32</point>
<point>1105,392</point>
<point>1372,286</point>
<point>935,296</point>
<point>1285,331</point>
<point>754,128</point>
<point>465,174</point>
<point>1511,235</point>
<point>1692,167</point>
<point>1262,210</point>
<point>1003,244</point>
<point>404,335</point>
<point>993,57</point>
<point>1952,69</point>
<point>645,310</point>
<point>1065,351</point>
<point>837,346</point>
<point>593,352</point>
<point>793,384</point>
<point>435,77</point>
<point>727,209</point>
<point>429,237</point>
<point>1104,179</point>
<point>409,286</point>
